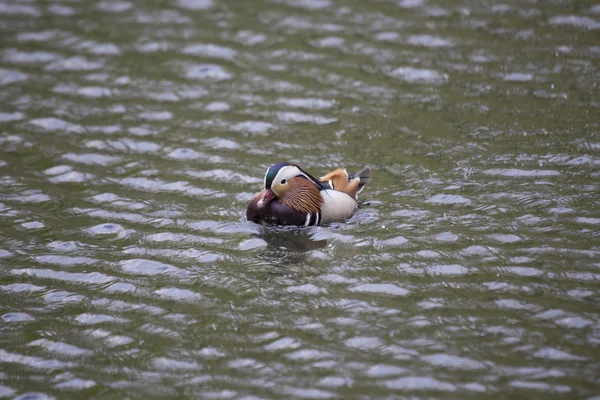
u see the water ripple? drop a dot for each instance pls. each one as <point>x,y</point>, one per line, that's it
<point>134,135</point>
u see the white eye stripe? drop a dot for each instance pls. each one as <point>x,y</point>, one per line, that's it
<point>288,173</point>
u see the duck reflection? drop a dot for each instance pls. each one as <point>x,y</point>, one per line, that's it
<point>291,238</point>
<point>289,244</point>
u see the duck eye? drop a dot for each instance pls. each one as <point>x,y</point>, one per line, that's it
<point>283,181</point>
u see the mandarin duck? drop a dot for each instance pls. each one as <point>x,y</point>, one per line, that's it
<point>291,196</point>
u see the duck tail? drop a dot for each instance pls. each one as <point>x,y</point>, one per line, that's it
<point>364,175</point>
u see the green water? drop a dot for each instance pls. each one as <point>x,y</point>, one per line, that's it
<point>133,135</point>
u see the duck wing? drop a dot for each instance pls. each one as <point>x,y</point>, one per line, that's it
<point>350,184</point>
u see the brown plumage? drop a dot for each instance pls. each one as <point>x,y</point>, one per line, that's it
<point>341,182</point>
<point>302,195</point>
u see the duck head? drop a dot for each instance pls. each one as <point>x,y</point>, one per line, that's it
<point>272,188</point>
<point>280,179</point>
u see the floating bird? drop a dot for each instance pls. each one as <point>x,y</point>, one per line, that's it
<point>292,196</point>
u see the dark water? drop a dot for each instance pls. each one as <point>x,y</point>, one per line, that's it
<point>133,134</point>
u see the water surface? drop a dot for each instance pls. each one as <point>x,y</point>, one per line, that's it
<point>133,135</point>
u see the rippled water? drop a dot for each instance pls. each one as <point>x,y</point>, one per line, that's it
<point>132,136</point>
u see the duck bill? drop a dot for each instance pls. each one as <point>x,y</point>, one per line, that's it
<point>267,196</point>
